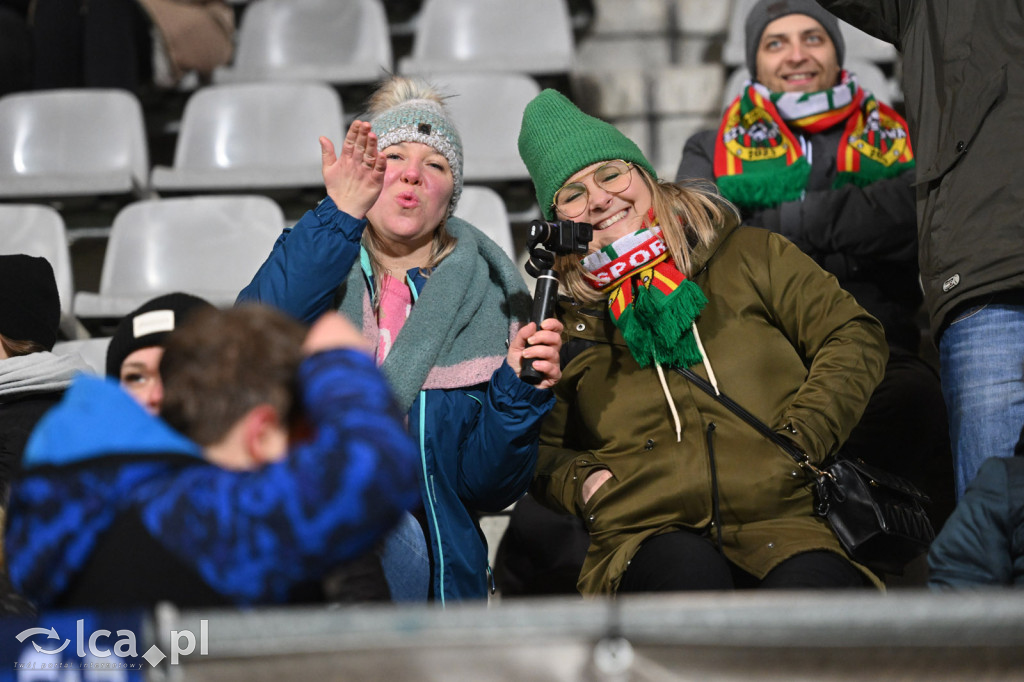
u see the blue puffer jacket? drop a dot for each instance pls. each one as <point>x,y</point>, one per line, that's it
<point>249,537</point>
<point>478,442</point>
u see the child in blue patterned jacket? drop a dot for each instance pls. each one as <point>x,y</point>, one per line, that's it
<point>281,455</point>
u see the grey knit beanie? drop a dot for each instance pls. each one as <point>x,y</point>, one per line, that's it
<point>427,122</point>
<point>767,11</point>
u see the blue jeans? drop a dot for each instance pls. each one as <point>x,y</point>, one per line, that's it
<point>981,356</point>
<point>405,560</point>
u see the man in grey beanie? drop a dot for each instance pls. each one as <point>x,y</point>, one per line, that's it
<point>806,152</point>
<point>767,11</point>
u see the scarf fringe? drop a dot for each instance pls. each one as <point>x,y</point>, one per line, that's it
<point>754,191</point>
<point>867,175</point>
<point>661,329</point>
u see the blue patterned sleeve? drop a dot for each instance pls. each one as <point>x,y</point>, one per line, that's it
<point>255,535</point>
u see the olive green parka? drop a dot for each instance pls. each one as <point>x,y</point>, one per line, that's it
<point>784,341</point>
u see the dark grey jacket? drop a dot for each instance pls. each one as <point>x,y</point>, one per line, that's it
<point>865,236</point>
<point>963,80</point>
<point>982,543</point>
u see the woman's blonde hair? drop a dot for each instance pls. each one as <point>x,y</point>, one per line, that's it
<point>394,92</point>
<point>690,214</point>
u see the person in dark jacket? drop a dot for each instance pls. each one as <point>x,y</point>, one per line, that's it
<point>446,310</point>
<point>963,85</point>
<point>982,544</point>
<point>32,378</point>
<point>784,154</point>
<point>282,456</point>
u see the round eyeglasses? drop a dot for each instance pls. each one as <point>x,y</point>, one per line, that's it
<point>571,200</point>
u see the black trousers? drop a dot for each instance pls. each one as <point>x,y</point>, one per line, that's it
<point>686,561</point>
<point>15,51</point>
<point>96,44</point>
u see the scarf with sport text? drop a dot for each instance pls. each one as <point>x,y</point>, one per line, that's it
<point>759,162</point>
<point>650,300</point>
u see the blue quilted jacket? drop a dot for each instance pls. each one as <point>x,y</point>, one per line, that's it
<point>478,444</point>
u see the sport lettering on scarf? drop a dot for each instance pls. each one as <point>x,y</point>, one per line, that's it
<point>759,161</point>
<point>650,300</point>
<point>644,247</point>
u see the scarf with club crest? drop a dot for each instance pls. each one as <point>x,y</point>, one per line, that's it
<point>652,303</point>
<point>759,162</point>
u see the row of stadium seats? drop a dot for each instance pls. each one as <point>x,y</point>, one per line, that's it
<point>241,137</point>
<point>208,245</point>
<point>350,42</point>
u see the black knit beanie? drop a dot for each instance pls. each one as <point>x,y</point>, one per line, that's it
<point>29,302</point>
<point>767,11</point>
<point>148,325</point>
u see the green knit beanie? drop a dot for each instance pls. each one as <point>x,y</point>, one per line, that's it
<point>556,140</point>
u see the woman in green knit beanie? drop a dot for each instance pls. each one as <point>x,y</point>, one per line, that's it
<point>676,492</point>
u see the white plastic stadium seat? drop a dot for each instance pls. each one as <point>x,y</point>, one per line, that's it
<point>870,77</point>
<point>488,110</point>
<point>92,350</point>
<point>484,208</point>
<point>209,246</point>
<point>313,40</point>
<point>38,230</point>
<point>530,36</point>
<point>73,142</point>
<point>859,45</point>
<point>252,137</point>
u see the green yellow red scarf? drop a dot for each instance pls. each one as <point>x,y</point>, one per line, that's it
<point>650,300</point>
<point>759,162</point>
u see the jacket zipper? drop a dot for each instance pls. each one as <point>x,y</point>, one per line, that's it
<point>716,511</point>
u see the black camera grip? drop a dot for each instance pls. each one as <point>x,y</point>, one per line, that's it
<point>545,298</point>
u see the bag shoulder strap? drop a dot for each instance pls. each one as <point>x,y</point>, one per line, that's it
<point>787,446</point>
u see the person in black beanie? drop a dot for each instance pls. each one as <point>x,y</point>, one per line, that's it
<point>137,346</point>
<point>29,305</point>
<point>32,379</point>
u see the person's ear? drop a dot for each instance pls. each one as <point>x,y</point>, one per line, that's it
<point>265,435</point>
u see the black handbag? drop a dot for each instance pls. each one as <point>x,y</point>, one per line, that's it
<point>878,517</point>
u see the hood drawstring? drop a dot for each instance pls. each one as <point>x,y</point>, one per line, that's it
<point>664,384</point>
<point>707,363</point>
<point>671,405</point>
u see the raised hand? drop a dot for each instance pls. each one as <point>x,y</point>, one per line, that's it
<point>354,177</point>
